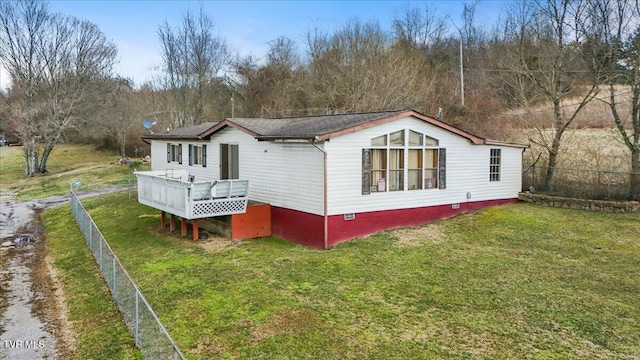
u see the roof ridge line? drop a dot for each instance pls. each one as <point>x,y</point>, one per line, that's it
<point>327,115</point>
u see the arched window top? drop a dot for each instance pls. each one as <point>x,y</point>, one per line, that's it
<point>415,138</point>
<point>379,141</point>
<point>429,141</point>
<point>397,138</point>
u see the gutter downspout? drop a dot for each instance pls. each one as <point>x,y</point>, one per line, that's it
<point>324,197</point>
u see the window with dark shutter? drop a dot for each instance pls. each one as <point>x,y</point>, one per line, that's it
<point>180,154</point>
<point>190,154</point>
<point>442,167</point>
<point>366,171</point>
<point>204,155</point>
<point>168,152</point>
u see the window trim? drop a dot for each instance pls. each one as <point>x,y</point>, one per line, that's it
<point>202,155</point>
<point>403,170</point>
<point>375,186</point>
<point>174,153</point>
<point>495,165</point>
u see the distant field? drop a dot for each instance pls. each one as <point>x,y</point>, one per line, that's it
<point>588,149</point>
<point>67,163</point>
<point>515,281</point>
<point>592,142</point>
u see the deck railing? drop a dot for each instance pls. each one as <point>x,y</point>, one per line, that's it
<point>176,192</point>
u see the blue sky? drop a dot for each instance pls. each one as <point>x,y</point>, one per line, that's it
<point>246,25</point>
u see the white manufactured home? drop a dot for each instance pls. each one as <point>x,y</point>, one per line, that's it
<point>332,178</point>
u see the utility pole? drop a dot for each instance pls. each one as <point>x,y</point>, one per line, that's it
<point>461,73</point>
<point>461,65</point>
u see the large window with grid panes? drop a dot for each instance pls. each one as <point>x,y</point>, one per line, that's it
<point>403,160</point>
<point>494,164</point>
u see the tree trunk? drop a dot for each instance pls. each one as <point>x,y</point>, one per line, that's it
<point>555,146</point>
<point>42,168</point>
<point>28,161</point>
<point>635,174</point>
<point>30,158</point>
<point>551,168</point>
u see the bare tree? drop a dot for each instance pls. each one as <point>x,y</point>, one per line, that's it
<point>193,57</point>
<point>421,34</point>
<point>55,63</point>
<point>421,28</point>
<point>613,41</point>
<point>122,112</point>
<point>358,68</point>
<point>545,59</point>
<point>277,88</point>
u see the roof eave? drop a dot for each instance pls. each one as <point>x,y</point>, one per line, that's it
<point>227,122</point>
<point>506,143</point>
<point>171,137</point>
<point>285,138</point>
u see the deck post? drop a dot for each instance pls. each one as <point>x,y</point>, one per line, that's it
<point>194,224</point>
<point>183,226</point>
<point>163,221</point>
<point>172,222</point>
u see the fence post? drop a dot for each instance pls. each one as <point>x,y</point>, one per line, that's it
<point>115,294</point>
<point>100,243</point>
<point>135,335</point>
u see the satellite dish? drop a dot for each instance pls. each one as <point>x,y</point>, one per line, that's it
<point>148,124</point>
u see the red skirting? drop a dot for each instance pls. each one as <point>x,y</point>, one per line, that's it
<point>307,229</point>
<point>297,226</point>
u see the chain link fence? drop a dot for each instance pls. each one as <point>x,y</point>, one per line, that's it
<point>580,183</point>
<point>150,336</point>
<point>81,187</point>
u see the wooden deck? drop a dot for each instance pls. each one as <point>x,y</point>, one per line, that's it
<point>172,191</point>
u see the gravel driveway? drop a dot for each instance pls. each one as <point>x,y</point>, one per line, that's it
<point>28,323</point>
<point>25,333</point>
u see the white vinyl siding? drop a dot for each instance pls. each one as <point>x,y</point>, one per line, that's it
<point>288,175</point>
<point>158,147</point>
<point>466,171</point>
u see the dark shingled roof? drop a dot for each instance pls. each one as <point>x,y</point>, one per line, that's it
<point>189,132</point>
<point>319,127</point>
<point>308,127</point>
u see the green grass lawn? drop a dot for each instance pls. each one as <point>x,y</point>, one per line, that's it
<point>92,313</point>
<point>516,281</point>
<point>67,163</point>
